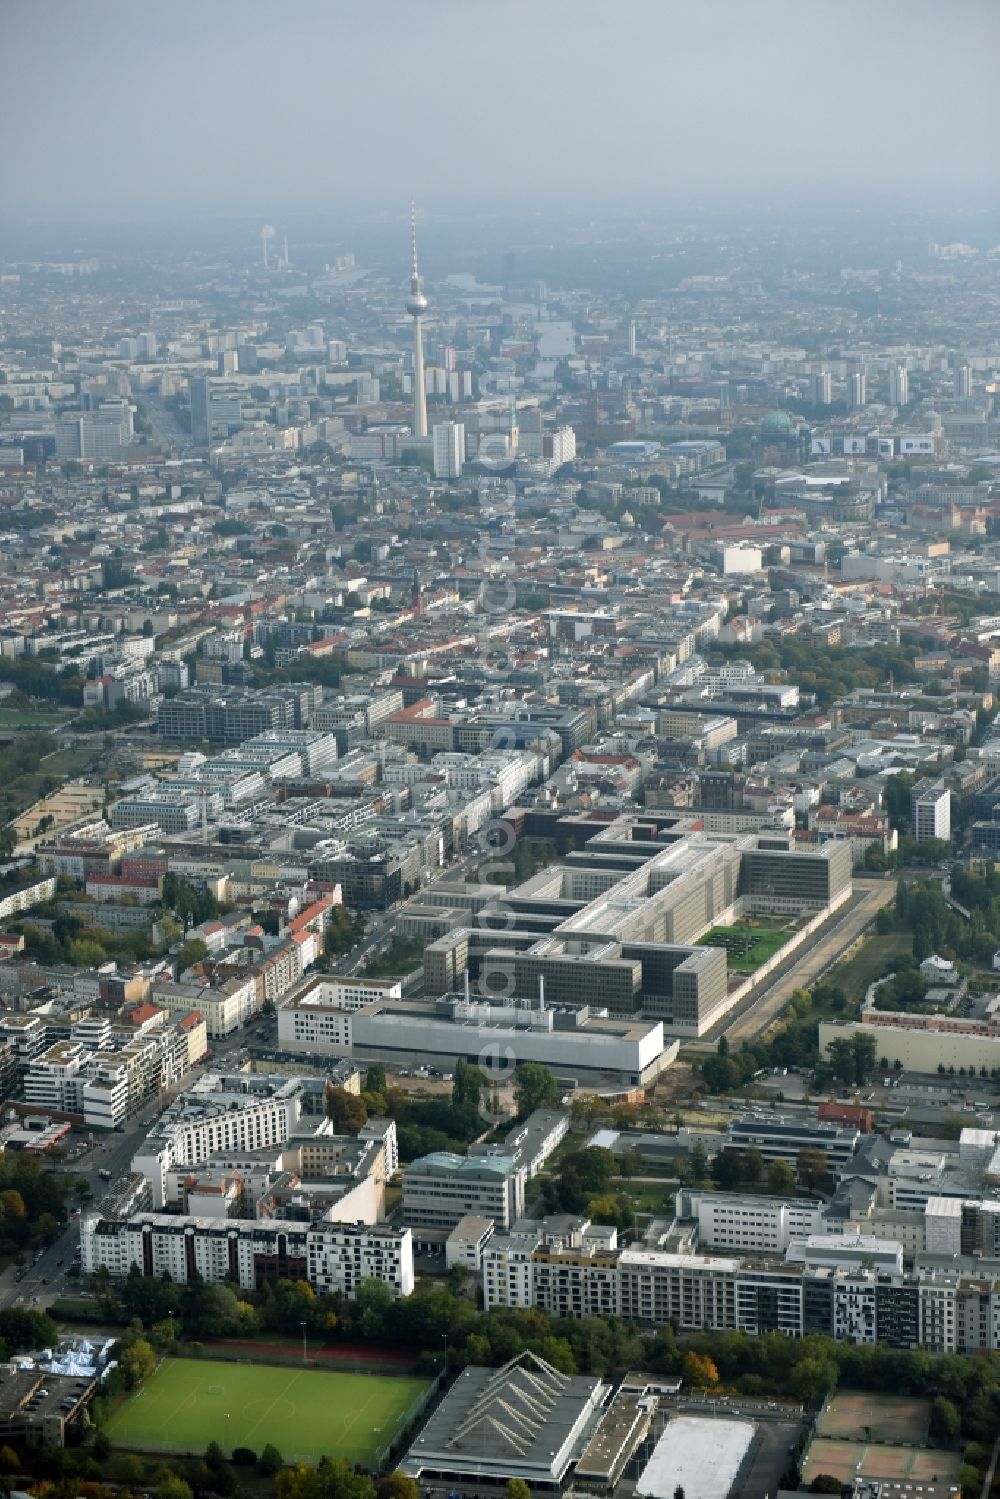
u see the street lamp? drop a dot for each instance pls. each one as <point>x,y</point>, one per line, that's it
<point>304,1345</point>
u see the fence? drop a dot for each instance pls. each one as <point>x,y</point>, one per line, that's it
<point>407,1425</point>
<point>346,1360</point>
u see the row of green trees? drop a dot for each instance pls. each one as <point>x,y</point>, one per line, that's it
<point>437,1123</point>
<point>830,671</point>
<point>771,1364</point>
<point>32,1203</point>
<point>922,909</point>
<point>795,1044</point>
<point>965,1391</point>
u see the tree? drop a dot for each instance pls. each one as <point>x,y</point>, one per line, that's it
<point>700,1371</point>
<point>780,1178</point>
<point>608,1208</point>
<point>946,1421</point>
<point>193,951</point>
<point>397,1486</point>
<point>585,1174</point>
<point>896,796</point>
<point>812,1166</point>
<point>21,1327</point>
<point>698,1161</point>
<point>132,1469</point>
<point>375,1079</point>
<point>170,931</point>
<point>811,1379</point>
<point>347,1110</point>
<point>864,1051</point>
<point>299,1482</point>
<point>373,1304</point>
<point>679,1491</point>
<point>968,1478</point>
<point>825,1483</point>
<point>753,1165</point>
<point>535,1087</point>
<point>214,1456</point>
<point>468,1087</point>
<point>271,1462</point>
<point>172,1487</point>
<point>339,1481</point>
<point>136,1360</point>
<point>211,1311</point>
<point>727,1169</point>
<point>12,1204</point>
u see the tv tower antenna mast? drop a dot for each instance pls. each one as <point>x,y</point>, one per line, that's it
<point>416,306</point>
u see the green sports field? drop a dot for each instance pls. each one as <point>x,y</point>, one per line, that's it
<point>306,1413</point>
<point>27,718</point>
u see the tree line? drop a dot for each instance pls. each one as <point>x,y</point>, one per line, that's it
<point>965,1390</point>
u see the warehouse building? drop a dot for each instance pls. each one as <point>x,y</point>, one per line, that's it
<point>413,1033</point>
<point>524,1420</point>
<point>700,1456</point>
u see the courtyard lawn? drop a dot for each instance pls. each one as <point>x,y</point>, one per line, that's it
<point>747,947</point>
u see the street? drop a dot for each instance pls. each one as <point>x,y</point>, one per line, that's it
<point>809,965</point>
<point>45,1279</point>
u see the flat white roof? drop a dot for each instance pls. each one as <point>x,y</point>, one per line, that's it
<point>702,1455</point>
<point>944,1207</point>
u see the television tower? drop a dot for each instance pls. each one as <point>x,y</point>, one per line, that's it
<point>416,306</point>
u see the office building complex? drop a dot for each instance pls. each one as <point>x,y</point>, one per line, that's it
<point>441,1189</point>
<point>617,922</point>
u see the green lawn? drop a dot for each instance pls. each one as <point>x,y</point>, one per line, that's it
<point>647,1198</point>
<point>306,1413</point>
<point>25,718</point>
<point>876,955</point>
<point>747,947</point>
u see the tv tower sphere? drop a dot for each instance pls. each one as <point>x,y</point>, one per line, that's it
<point>416,304</point>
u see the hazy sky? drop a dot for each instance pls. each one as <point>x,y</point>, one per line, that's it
<point>148,108</point>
